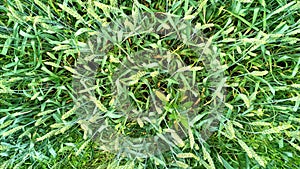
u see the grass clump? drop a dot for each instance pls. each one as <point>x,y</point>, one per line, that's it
<point>41,125</point>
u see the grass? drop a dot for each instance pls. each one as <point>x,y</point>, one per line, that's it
<point>44,125</point>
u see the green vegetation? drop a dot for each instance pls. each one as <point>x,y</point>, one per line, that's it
<point>256,41</point>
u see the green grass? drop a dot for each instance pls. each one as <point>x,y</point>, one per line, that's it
<point>256,41</point>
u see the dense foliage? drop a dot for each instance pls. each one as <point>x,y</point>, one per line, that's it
<point>256,42</point>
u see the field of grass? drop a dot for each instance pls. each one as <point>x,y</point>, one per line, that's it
<point>246,113</point>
